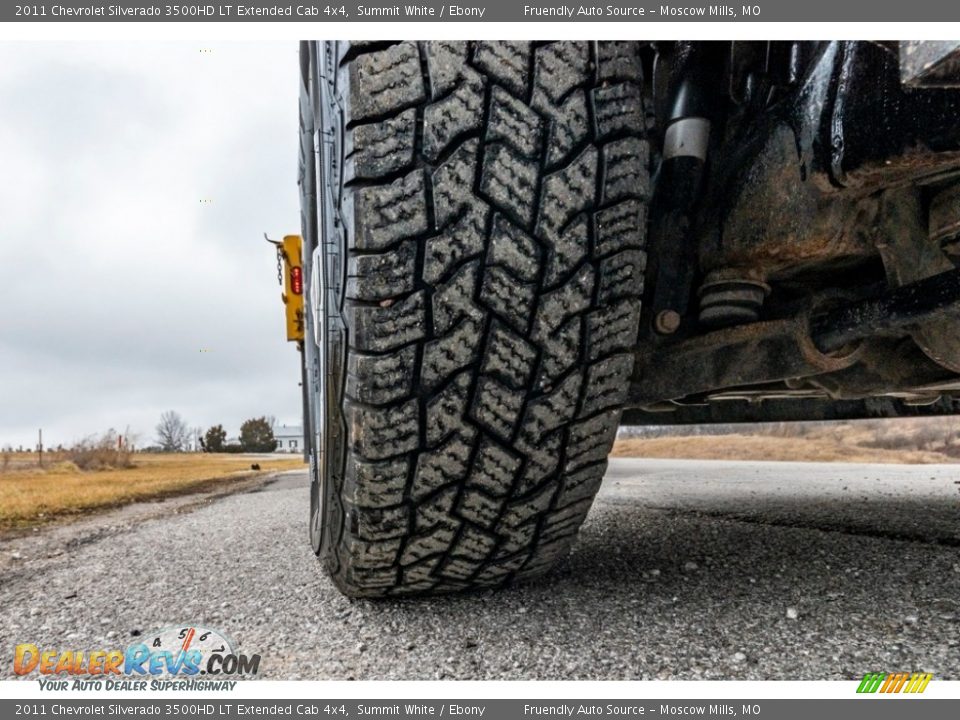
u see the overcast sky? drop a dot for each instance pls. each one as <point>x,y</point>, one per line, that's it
<point>113,275</point>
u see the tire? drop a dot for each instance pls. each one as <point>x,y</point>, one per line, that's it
<point>483,212</point>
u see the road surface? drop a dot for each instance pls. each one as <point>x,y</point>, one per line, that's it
<point>684,570</point>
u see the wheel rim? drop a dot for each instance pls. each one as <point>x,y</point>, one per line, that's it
<point>320,339</point>
<point>327,337</point>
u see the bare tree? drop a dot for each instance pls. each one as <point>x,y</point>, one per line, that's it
<point>129,440</point>
<point>172,432</point>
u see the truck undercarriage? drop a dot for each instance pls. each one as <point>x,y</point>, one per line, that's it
<point>512,248</point>
<point>805,267</point>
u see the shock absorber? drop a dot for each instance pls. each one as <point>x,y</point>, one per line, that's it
<point>687,117</point>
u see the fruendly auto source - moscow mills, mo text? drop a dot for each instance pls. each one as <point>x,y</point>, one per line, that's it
<point>621,11</point>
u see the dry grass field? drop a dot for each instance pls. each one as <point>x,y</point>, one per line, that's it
<point>745,447</point>
<point>95,476</point>
<point>907,441</point>
<point>31,495</point>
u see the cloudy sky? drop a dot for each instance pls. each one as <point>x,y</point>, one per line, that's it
<point>114,276</point>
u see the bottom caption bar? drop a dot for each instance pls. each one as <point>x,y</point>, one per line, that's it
<point>874,709</point>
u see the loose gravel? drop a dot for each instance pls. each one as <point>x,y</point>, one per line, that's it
<point>684,570</point>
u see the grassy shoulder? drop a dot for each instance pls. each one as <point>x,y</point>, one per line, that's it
<point>33,495</point>
<point>756,447</point>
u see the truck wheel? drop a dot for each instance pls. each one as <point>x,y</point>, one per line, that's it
<point>482,211</point>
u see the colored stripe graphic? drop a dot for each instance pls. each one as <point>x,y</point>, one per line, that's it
<point>918,683</point>
<point>894,683</point>
<point>871,682</point>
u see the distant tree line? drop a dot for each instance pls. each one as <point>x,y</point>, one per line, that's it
<point>256,435</point>
<point>174,435</point>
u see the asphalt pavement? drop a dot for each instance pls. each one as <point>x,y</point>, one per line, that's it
<point>683,570</point>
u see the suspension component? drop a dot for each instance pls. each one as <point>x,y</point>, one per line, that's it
<point>945,215</point>
<point>730,297</point>
<point>686,97</point>
<point>892,314</point>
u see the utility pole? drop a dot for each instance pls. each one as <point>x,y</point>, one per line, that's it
<point>40,447</point>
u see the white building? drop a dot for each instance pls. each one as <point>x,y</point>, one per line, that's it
<point>289,438</point>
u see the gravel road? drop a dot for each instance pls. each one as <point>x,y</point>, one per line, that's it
<point>684,569</point>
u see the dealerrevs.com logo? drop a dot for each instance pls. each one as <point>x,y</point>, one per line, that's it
<point>187,657</point>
